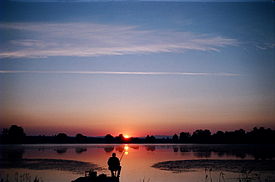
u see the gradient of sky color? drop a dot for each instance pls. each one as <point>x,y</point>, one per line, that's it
<point>136,67</point>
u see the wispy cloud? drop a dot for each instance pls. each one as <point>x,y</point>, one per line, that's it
<point>120,73</point>
<point>87,40</point>
<point>265,46</point>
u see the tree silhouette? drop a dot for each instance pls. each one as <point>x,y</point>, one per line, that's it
<point>62,138</point>
<point>150,139</point>
<point>201,136</point>
<point>14,135</point>
<point>185,137</point>
<point>175,138</point>
<point>80,138</point>
<point>219,137</point>
<point>109,138</point>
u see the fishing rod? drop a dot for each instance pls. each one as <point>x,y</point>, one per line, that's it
<point>124,151</point>
<point>122,156</point>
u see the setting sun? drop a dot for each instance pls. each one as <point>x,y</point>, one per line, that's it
<point>126,136</point>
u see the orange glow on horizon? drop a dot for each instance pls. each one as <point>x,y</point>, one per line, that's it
<point>126,136</point>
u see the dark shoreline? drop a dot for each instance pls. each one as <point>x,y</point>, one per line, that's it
<point>16,135</point>
<point>236,166</point>
<point>49,164</point>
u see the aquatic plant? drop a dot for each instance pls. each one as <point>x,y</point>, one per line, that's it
<point>20,177</point>
<point>245,175</point>
<point>144,180</point>
<point>221,177</point>
<point>208,175</point>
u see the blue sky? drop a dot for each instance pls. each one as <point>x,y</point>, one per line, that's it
<point>136,67</point>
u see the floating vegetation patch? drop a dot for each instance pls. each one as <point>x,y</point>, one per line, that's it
<point>50,164</point>
<point>216,165</point>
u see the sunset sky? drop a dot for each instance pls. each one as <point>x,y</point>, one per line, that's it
<point>136,67</point>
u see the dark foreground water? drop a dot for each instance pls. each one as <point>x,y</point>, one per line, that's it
<point>154,163</point>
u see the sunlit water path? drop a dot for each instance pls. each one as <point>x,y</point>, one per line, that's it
<point>137,160</point>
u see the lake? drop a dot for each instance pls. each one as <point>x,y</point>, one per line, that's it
<point>66,162</point>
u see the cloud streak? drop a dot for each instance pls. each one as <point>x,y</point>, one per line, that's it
<point>89,40</point>
<point>120,73</point>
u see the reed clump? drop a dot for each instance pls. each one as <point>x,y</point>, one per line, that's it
<point>19,177</point>
<point>245,175</point>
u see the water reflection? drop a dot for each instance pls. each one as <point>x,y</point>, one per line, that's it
<point>79,150</point>
<point>135,157</point>
<point>136,147</point>
<point>109,149</point>
<point>206,154</point>
<point>119,148</point>
<point>176,149</point>
<point>258,152</point>
<point>150,147</point>
<point>61,150</point>
<point>12,155</point>
<point>184,149</point>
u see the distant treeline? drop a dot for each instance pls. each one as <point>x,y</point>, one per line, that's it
<point>16,135</point>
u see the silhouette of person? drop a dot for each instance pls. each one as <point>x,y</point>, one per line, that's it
<point>114,165</point>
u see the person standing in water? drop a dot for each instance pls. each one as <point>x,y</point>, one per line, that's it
<point>114,165</point>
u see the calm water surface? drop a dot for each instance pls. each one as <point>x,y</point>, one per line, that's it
<point>136,162</point>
